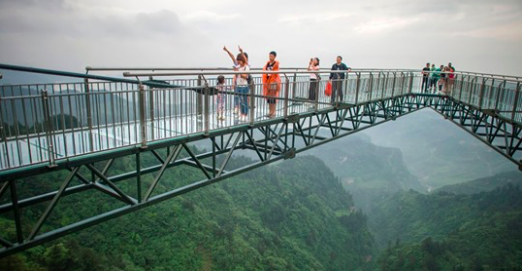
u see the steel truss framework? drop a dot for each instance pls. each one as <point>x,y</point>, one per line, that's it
<point>270,141</point>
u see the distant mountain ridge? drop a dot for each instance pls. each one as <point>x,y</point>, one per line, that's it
<point>484,184</point>
<point>366,170</point>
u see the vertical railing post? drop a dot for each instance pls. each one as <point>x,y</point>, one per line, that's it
<point>515,103</point>
<point>252,105</point>
<point>199,107</point>
<point>151,112</point>
<point>462,87</point>
<point>357,86</point>
<point>294,85</point>
<point>472,89</point>
<point>206,108</point>
<point>403,83</point>
<point>345,88</point>
<point>48,128</point>
<point>490,96</point>
<point>143,120</point>
<point>4,136</point>
<point>393,84</point>
<point>317,92</point>
<point>370,87</point>
<point>482,89</point>
<point>287,89</point>
<point>500,92</point>
<point>384,84</point>
<point>89,112</point>
<point>410,91</point>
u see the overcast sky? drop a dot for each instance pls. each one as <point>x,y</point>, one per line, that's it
<point>475,35</point>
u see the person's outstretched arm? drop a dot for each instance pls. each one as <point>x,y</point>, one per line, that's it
<point>230,54</point>
<point>243,55</point>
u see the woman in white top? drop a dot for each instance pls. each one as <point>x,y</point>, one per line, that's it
<point>314,79</point>
<point>242,86</point>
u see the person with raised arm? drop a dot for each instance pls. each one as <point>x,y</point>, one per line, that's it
<point>241,84</point>
<point>235,67</point>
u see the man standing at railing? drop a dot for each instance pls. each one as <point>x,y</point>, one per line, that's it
<point>433,78</point>
<point>425,77</point>
<point>337,78</point>
<point>271,84</point>
<point>437,83</point>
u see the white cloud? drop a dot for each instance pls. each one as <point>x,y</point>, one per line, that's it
<point>479,35</point>
<point>208,16</point>
<point>378,26</point>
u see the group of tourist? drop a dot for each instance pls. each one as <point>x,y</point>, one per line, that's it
<point>434,80</point>
<point>272,83</point>
<point>439,79</point>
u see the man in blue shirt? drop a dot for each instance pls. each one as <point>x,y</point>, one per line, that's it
<point>337,79</point>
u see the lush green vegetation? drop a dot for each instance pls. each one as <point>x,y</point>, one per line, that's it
<point>291,216</point>
<point>451,232</point>
<point>484,184</point>
<point>367,171</point>
<point>437,151</point>
<point>294,215</point>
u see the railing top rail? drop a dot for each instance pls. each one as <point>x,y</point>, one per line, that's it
<point>78,75</point>
<point>89,68</point>
<point>181,71</point>
<point>304,71</point>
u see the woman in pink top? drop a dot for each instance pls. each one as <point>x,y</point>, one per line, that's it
<point>314,79</point>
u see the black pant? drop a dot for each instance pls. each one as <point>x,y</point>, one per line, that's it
<point>425,82</point>
<point>433,82</point>
<point>337,90</point>
<point>312,92</point>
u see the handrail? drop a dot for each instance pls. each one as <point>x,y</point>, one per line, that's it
<point>213,71</point>
<point>302,71</point>
<point>89,68</point>
<point>83,76</point>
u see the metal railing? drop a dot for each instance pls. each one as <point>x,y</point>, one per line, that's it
<point>45,123</point>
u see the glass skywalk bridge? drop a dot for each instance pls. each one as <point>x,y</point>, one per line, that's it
<point>79,128</point>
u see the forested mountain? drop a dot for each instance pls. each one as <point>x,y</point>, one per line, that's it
<point>484,184</point>
<point>369,172</point>
<point>446,231</point>
<point>437,151</point>
<point>291,216</point>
